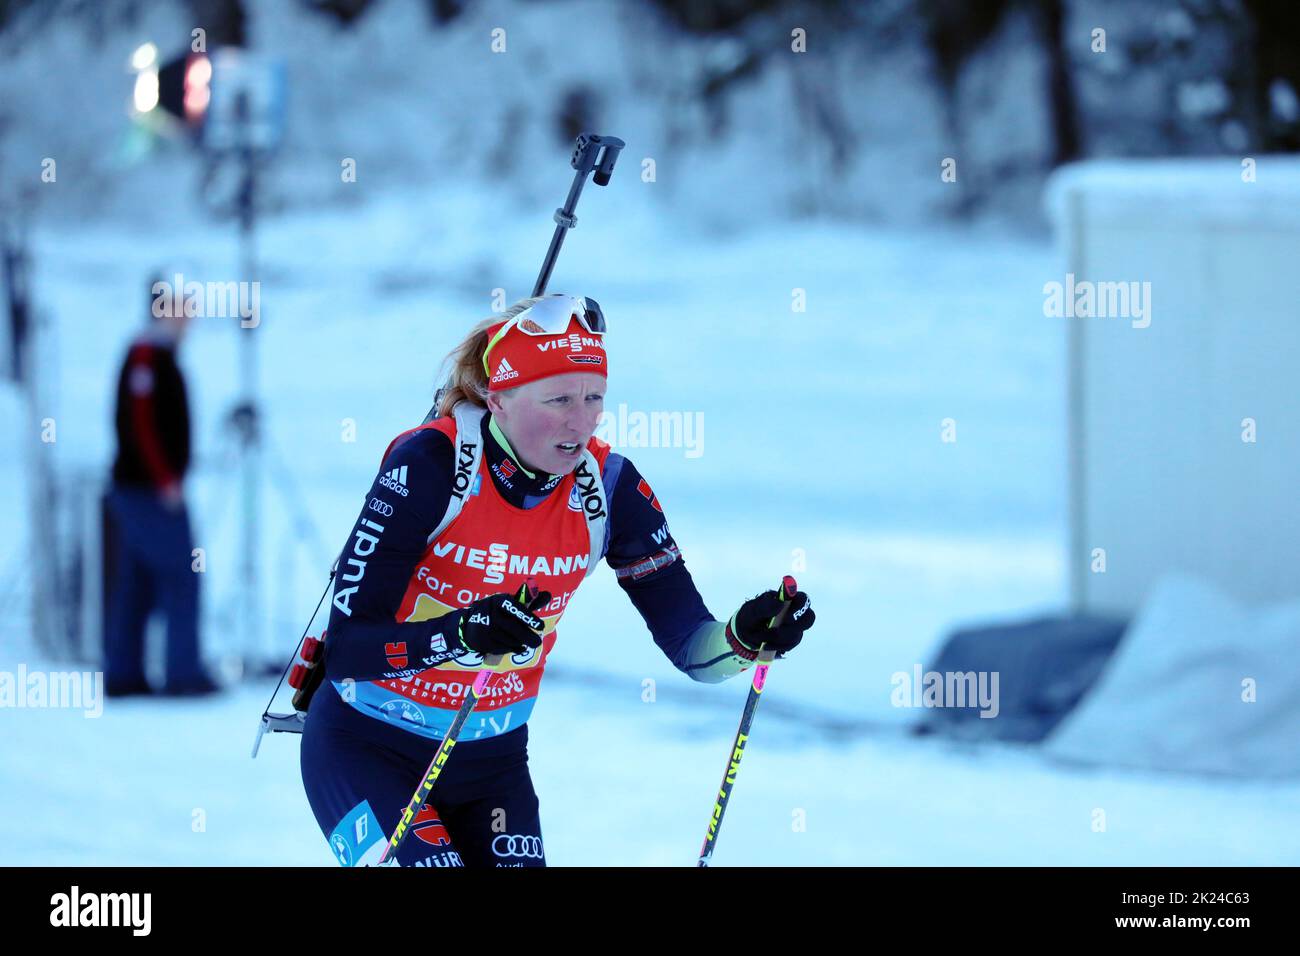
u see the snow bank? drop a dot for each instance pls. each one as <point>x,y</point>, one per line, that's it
<point>1200,683</point>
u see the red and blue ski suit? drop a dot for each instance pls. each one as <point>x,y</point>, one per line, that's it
<point>395,677</point>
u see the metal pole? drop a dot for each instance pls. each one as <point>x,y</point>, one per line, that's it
<point>248,413</point>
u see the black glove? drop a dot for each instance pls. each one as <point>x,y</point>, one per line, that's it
<point>751,624</point>
<point>503,623</point>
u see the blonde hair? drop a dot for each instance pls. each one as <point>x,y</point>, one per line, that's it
<point>466,381</point>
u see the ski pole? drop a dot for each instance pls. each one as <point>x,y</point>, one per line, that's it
<point>421,796</point>
<point>765,657</point>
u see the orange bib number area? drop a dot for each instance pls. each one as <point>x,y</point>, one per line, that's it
<point>467,561</point>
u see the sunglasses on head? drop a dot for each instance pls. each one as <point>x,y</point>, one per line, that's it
<point>551,315</point>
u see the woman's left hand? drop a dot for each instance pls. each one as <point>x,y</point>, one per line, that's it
<point>750,624</point>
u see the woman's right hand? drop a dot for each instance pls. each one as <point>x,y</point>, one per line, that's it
<point>503,623</point>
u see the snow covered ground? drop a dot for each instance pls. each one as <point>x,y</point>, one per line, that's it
<point>623,782</point>
<point>822,433</point>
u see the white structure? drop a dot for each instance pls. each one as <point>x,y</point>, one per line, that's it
<point>1184,408</point>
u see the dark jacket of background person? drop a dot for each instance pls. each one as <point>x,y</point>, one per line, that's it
<point>152,417</point>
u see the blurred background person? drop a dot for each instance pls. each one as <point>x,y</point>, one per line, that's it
<point>150,541</point>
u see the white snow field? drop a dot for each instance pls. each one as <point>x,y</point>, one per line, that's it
<point>821,433</point>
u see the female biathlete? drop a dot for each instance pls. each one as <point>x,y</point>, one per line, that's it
<point>508,484</point>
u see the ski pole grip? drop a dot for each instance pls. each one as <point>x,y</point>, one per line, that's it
<point>787,589</point>
<point>526,593</point>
